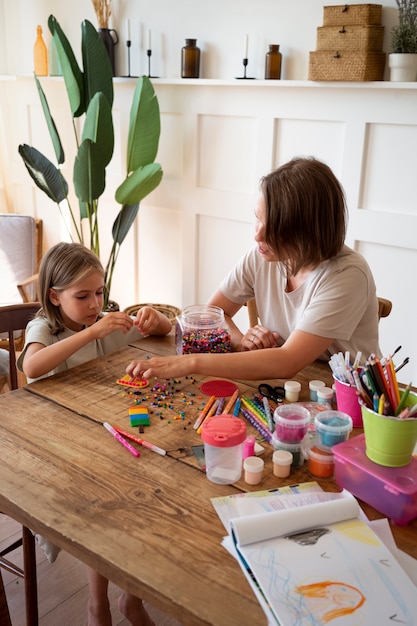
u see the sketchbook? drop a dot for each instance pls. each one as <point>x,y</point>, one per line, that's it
<point>321,564</point>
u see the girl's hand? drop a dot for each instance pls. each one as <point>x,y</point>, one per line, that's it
<point>148,321</point>
<point>111,322</point>
<point>259,337</point>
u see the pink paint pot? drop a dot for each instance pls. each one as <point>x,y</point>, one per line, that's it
<point>291,422</point>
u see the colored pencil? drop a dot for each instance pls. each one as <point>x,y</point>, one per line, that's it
<point>204,412</point>
<point>231,402</point>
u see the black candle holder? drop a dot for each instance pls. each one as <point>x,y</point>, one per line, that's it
<point>128,44</point>
<point>245,64</point>
<point>149,54</point>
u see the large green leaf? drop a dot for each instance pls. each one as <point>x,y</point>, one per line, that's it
<point>44,173</point>
<point>98,73</point>
<point>53,131</point>
<point>98,126</point>
<point>139,184</point>
<point>89,172</point>
<point>144,126</point>
<point>72,74</point>
<point>124,221</point>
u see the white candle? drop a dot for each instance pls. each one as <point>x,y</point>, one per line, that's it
<point>128,29</point>
<point>246,46</point>
<point>149,39</point>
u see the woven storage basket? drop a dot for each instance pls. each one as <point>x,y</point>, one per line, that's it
<point>360,14</point>
<point>353,38</point>
<point>347,66</point>
<point>167,309</point>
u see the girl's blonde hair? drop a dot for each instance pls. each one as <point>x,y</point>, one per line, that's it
<point>64,265</point>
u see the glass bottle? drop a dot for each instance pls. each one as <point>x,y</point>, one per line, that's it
<point>190,59</point>
<point>273,62</point>
<point>40,55</point>
<point>202,328</point>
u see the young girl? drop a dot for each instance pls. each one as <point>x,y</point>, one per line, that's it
<point>69,330</point>
<point>314,295</point>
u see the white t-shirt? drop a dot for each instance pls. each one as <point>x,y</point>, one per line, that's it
<point>338,300</point>
<point>38,330</point>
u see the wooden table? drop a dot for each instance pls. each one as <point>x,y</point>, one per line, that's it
<point>147,523</point>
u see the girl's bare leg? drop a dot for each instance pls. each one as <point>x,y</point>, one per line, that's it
<point>134,611</point>
<point>98,607</point>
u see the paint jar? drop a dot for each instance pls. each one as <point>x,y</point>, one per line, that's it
<point>292,390</point>
<point>332,427</point>
<point>296,449</point>
<point>314,385</point>
<point>282,461</point>
<point>202,328</point>
<point>291,422</point>
<point>320,462</point>
<point>253,467</point>
<point>325,395</point>
<point>249,446</point>
<point>223,438</point>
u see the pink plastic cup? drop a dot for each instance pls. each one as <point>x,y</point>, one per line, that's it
<point>348,402</point>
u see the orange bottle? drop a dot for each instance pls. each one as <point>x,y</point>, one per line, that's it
<point>40,55</point>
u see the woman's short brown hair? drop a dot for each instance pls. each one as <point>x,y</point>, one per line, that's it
<point>61,267</point>
<point>306,212</point>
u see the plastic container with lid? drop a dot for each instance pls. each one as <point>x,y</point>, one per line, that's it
<point>223,437</point>
<point>202,328</point>
<point>296,449</point>
<point>320,462</point>
<point>332,427</point>
<point>313,386</point>
<point>292,390</point>
<point>291,422</point>
<point>282,461</point>
<point>325,395</point>
<point>253,467</point>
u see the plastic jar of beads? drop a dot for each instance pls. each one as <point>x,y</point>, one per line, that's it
<point>202,328</point>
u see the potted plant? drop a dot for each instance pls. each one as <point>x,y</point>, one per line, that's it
<point>90,92</point>
<point>403,58</point>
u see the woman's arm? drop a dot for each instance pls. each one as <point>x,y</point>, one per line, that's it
<point>254,338</point>
<point>299,350</point>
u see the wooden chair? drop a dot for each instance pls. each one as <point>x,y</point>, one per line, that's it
<point>384,309</point>
<point>15,317</point>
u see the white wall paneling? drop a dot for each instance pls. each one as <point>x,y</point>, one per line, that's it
<point>218,138</point>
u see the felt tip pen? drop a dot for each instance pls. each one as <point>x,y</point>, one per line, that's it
<point>140,441</point>
<point>119,438</point>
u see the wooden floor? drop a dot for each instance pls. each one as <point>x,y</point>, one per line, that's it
<point>62,588</point>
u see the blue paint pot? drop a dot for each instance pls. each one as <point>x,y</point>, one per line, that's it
<point>332,427</point>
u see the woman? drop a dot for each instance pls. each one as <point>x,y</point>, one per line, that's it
<point>315,296</point>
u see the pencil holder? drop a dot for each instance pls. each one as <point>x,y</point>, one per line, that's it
<point>347,400</point>
<point>389,441</point>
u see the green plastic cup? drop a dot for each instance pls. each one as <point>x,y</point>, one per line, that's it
<point>389,441</point>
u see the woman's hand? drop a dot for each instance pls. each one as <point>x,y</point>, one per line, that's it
<point>161,367</point>
<point>259,337</point>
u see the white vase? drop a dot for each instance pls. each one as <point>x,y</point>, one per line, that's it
<point>403,67</point>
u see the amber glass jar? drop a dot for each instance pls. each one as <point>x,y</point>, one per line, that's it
<point>190,59</point>
<point>40,54</point>
<point>273,60</point>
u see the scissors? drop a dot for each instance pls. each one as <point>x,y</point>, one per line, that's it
<point>276,394</point>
